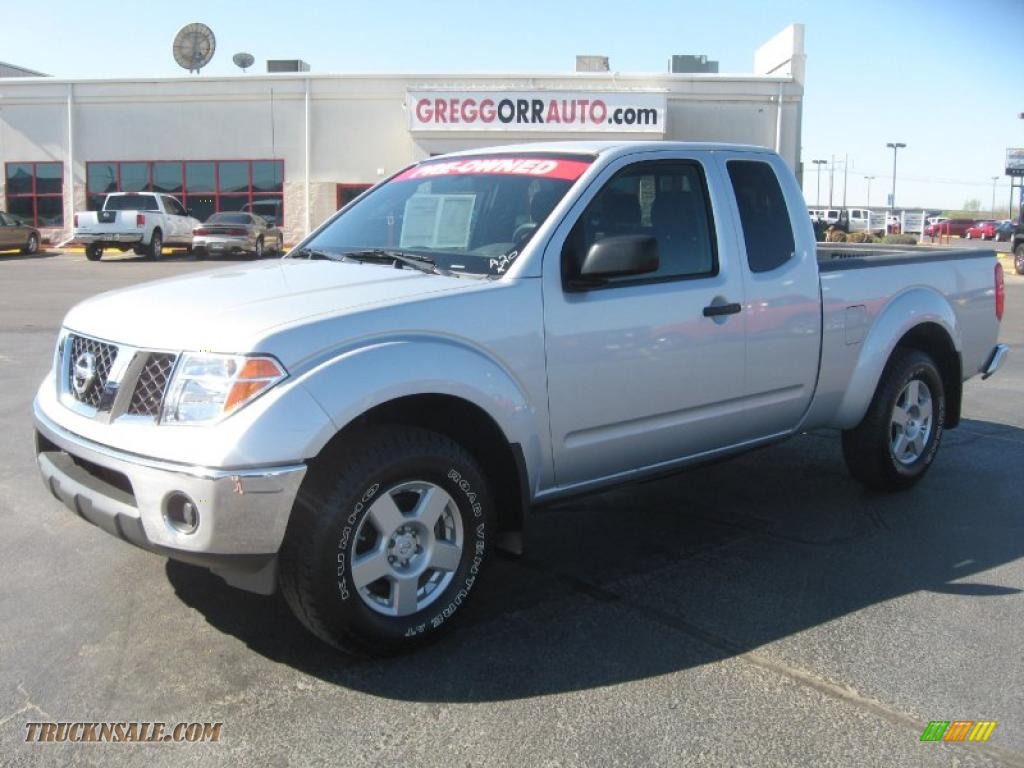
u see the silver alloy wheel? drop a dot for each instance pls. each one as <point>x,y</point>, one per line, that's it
<point>407,548</point>
<point>911,422</point>
<point>259,248</point>
<point>33,244</point>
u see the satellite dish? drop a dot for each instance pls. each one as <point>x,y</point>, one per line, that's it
<point>194,46</point>
<point>243,60</point>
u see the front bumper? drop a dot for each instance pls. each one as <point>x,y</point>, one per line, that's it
<point>242,513</point>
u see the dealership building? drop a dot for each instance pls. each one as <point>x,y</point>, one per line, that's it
<point>297,146</point>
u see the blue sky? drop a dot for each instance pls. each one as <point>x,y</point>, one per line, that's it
<point>945,78</point>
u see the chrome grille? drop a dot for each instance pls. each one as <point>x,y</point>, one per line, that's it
<point>103,355</point>
<point>149,389</point>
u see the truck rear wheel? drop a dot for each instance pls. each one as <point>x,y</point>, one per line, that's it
<point>1018,259</point>
<point>895,443</point>
<point>387,538</point>
<point>93,252</point>
<point>156,245</point>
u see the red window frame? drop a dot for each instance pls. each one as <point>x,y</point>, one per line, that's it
<point>34,195</point>
<point>251,195</point>
<point>342,188</point>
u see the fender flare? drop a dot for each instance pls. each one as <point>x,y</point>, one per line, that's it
<point>362,378</point>
<point>916,306</point>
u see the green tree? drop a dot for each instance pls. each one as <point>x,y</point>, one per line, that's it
<point>972,205</point>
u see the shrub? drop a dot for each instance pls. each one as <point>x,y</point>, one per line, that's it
<point>899,240</point>
<point>861,237</point>
<point>834,235</point>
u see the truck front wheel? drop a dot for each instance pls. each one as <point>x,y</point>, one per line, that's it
<point>387,538</point>
<point>895,443</point>
<point>1018,259</point>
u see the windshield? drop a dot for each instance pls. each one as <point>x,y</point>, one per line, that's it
<point>473,214</point>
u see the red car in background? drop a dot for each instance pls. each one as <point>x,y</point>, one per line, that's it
<point>956,227</point>
<point>984,230</point>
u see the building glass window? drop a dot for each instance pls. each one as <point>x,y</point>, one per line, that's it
<point>135,177</point>
<point>167,178</point>
<point>35,193</point>
<point>204,187</point>
<point>349,192</point>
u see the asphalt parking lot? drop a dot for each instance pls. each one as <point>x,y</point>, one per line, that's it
<point>765,611</point>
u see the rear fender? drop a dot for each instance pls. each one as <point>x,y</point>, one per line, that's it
<point>908,310</point>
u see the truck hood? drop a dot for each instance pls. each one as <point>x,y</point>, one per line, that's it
<point>230,309</point>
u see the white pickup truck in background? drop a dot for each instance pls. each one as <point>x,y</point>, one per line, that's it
<point>142,221</point>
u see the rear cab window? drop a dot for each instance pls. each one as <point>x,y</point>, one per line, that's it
<point>764,216</point>
<point>131,203</point>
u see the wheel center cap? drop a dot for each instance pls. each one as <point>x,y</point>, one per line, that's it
<point>405,545</point>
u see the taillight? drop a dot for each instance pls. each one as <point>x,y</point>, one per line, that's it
<point>1000,291</point>
<point>140,219</point>
<point>76,219</point>
<point>200,231</point>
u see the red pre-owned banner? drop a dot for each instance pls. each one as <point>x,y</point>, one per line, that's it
<point>548,168</point>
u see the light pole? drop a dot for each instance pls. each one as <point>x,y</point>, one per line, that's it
<point>819,163</point>
<point>831,177</point>
<point>869,178</point>
<point>895,147</point>
<point>994,180</point>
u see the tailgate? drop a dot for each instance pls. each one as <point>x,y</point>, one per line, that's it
<point>104,222</point>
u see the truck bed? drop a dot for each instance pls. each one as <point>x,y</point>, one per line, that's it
<point>861,283</point>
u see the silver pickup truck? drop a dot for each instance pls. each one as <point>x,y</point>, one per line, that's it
<point>359,422</point>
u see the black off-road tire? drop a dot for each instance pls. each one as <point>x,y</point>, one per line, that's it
<point>1018,259</point>
<point>93,252</point>
<point>336,496</point>
<point>867,448</point>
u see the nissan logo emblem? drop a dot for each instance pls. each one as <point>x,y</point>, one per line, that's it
<point>84,373</point>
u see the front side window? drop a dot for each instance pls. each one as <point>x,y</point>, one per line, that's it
<point>474,214</point>
<point>174,207</point>
<point>767,232</point>
<point>666,200</point>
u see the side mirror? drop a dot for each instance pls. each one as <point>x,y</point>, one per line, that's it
<point>618,256</point>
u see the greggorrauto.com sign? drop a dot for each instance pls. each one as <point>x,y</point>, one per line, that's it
<point>548,111</point>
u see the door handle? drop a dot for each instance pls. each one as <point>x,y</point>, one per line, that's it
<point>715,310</point>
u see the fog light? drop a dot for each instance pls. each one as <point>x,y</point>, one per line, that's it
<point>181,513</point>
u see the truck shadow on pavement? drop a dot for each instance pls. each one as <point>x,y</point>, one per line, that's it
<point>684,571</point>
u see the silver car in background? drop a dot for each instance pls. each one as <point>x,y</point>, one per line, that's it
<point>236,232</point>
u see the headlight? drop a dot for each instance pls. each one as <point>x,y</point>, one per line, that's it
<point>207,387</point>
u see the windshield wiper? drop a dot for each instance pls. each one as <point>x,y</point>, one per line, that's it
<point>313,254</point>
<point>414,260</point>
